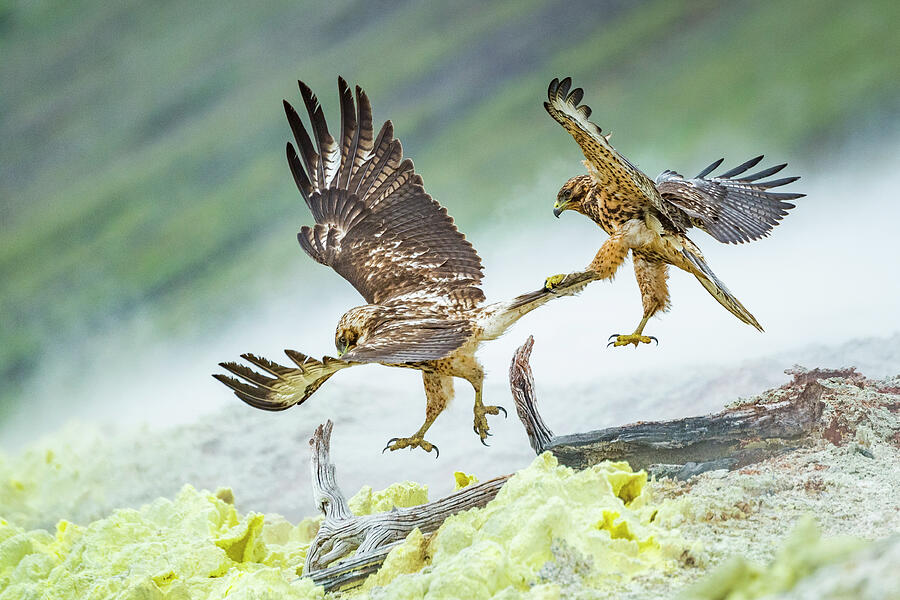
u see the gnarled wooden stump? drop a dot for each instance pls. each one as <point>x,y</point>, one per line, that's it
<point>371,536</point>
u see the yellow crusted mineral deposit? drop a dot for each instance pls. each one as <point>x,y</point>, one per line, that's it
<point>463,480</point>
<point>193,547</point>
<point>595,526</point>
<point>600,518</point>
<point>396,495</point>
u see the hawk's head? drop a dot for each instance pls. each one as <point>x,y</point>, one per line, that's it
<point>572,195</point>
<point>354,327</point>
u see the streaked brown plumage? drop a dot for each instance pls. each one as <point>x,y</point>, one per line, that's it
<point>380,230</point>
<point>650,219</point>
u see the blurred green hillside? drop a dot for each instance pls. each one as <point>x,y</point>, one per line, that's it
<point>142,142</point>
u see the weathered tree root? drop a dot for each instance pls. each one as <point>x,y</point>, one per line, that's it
<point>371,536</point>
<point>737,436</point>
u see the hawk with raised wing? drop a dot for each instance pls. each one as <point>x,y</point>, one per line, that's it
<point>651,219</point>
<point>380,230</point>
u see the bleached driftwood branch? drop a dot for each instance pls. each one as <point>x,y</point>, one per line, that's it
<point>521,384</point>
<point>371,536</point>
<point>732,438</point>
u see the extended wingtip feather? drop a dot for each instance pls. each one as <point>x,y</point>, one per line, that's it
<point>712,167</point>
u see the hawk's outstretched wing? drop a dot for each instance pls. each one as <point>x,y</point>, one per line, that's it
<point>729,208</point>
<point>411,338</point>
<point>401,340</point>
<point>607,167</point>
<point>375,224</point>
<point>279,387</point>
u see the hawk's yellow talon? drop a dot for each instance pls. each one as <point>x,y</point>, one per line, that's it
<point>553,281</point>
<point>624,340</point>
<point>411,442</point>
<point>481,425</point>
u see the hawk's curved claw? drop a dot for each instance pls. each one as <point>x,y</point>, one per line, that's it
<point>634,338</point>
<point>481,427</point>
<point>505,415</point>
<point>416,441</point>
<point>485,443</point>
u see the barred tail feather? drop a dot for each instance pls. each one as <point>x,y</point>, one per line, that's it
<point>718,290</point>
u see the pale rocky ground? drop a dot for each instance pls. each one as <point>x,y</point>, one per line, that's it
<point>850,488</point>
<point>263,456</point>
<point>849,483</point>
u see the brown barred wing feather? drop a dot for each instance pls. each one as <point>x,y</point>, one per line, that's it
<point>412,338</point>
<point>731,207</point>
<point>607,167</point>
<point>375,223</point>
<point>395,253</point>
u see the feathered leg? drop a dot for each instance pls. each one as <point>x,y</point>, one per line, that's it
<point>610,257</point>
<point>438,392</point>
<point>605,264</point>
<point>651,276</point>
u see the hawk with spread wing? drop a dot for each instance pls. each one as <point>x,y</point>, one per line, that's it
<point>651,219</point>
<point>381,231</point>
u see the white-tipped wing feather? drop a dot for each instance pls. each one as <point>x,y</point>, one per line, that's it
<point>280,387</point>
<point>607,167</point>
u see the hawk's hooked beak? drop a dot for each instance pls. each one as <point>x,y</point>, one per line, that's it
<point>343,350</point>
<point>558,207</point>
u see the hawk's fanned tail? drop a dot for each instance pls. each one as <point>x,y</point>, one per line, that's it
<point>730,208</point>
<point>278,387</point>
<point>716,288</point>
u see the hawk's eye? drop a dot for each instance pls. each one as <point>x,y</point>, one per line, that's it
<point>567,194</point>
<point>342,341</point>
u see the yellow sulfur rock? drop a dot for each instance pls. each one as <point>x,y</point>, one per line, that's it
<point>463,480</point>
<point>396,495</point>
<point>193,547</point>
<point>594,526</point>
